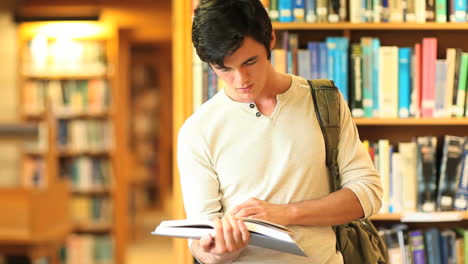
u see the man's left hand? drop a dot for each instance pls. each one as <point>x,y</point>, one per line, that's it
<point>259,209</point>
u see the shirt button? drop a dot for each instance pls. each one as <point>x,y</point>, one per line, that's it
<point>258,114</point>
<point>252,105</point>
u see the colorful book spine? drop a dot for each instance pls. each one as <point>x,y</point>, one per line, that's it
<point>416,239</point>
<point>274,10</point>
<point>299,10</point>
<point>310,7</point>
<point>404,81</point>
<point>441,11</point>
<point>429,58</point>
<point>462,81</point>
<point>285,8</point>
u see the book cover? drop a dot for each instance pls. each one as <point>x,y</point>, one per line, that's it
<point>429,57</point>
<point>299,10</point>
<point>432,245</point>
<point>310,15</point>
<point>274,11</point>
<point>415,107</point>
<point>450,58</point>
<point>408,156</point>
<point>458,54</point>
<point>449,171</point>
<point>462,81</point>
<point>322,10</point>
<point>367,76</point>
<point>404,81</point>
<point>441,80</point>
<point>448,250</point>
<point>262,233</point>
<point>285,9</point>
<point>427,178</point>
<point>357,108</point>
<point>441,11</point>
<point>416,240</point>
<point>388,93</point>
<point>461,195</point>
<point>304,63</point>
<point>333,11</point>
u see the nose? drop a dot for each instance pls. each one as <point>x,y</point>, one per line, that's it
<point>242,78</point>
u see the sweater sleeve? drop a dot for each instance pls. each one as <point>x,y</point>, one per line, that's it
<point>198,179</point>
<point>356,168</point>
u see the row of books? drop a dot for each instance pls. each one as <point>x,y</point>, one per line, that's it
<point>384,81</point>
<point>89,249</point>
<point>91,211</point>
<point>67,97</point>
<point>358,11</point>
<point>87,174</point>
<point>421,246</point>
<point>84,135</point>
<point>418,177</point>
<point>45,56</point>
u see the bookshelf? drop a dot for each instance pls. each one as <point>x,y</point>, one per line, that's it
<point>22,229</point>
<point>449,35</point>
<point>70,66</point>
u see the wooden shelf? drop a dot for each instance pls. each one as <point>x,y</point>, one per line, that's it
<point>451,216</point>
<point>66,76</point>
<point>96,191</point>
<point>94,153</point>
<point>368,26</point>
<point>84,115</point>
<point>411,121</point>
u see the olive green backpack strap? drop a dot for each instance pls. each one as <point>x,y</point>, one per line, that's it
<point>326,99</point>
<point>358,241</point>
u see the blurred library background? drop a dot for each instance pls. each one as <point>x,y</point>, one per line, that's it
<point>93,93</point>
<point>85,131</point>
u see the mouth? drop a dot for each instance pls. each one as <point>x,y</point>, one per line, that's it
<point>246,88</point>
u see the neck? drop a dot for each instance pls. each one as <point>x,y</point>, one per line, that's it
<point>277,83</point>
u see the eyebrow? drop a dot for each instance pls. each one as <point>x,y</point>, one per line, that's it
<point>219,67</point>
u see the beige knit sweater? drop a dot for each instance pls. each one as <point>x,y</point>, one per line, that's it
<point>227,154</point>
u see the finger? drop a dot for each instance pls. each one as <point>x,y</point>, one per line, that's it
<point>247,212</point>
<point>228,236</point>
<point>244,232</point>
<point>220,245</point>
<point>207,243</point>
<point>236,234</point>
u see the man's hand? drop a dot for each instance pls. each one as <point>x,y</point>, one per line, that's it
<point>230,237</point>
<point>258,209</point>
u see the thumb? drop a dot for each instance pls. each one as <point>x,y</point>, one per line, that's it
<point>207,242</point>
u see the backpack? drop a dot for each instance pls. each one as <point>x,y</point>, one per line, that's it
<point>358,241</point>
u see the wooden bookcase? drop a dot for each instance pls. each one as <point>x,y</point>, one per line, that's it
<point>25,225</point>
<point>87,152</point>
<point>449,35</point>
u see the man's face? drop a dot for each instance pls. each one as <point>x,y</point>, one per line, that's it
<point>245,71</point>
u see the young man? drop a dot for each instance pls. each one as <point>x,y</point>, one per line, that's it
<point>256,149</point>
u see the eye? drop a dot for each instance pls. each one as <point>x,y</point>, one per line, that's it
<point>251,62</point>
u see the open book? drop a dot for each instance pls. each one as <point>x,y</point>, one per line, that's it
<point>262,233</point>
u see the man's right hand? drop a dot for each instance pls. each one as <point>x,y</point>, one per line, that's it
<point>230,237</point>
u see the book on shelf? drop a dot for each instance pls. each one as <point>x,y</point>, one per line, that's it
<point>262,233</point>
<point>449,172</point>
<point>461,194</point>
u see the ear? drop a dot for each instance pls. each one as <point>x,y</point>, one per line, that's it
<point>273,39</point>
